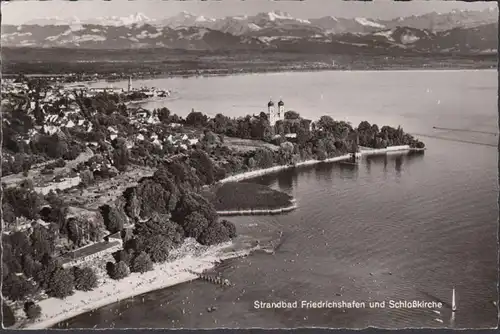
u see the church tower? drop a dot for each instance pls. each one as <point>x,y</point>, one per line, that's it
<point>271,115</point>
<point>129,84</point>
<point>281,110</point>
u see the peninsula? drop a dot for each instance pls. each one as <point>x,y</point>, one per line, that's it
<point>80,171</point>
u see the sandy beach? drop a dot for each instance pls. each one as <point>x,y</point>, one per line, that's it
<point>190,257</point>
<point>110,291</point>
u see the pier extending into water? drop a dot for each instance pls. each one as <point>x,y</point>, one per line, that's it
<point>212,279</point>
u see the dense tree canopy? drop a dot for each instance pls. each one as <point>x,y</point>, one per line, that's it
<point>114,218</point>
<point>162,189</point>
<point>141,263</point>
<point>201,162</point>
<point>120,271</point>
<point>85,279</point>
<point>61,283</point>
<point>157,237</point>
<point>32,310</point>
<point>263,158</point>
<point>193,202</point>
<point>42,242</point>
<point>196,119</point>
<point>164,115</point>
<point>182,175</point>
<point>17,287</point>
<point>22,201</point>
<point>290,114</point>
<point>124,255</point>
<point>195,224</point>
<point>218,232</point>
<point>121,155</point>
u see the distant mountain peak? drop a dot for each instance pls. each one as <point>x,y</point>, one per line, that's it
<point>135,18</point>
<point>277,15</point>
<point>241,17</point>
<point>253,27</point>
<point>365,22</point>
<point>186,13</point>
<point>55,20</point>
<point>204,19</point>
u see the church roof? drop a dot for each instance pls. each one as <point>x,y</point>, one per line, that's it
<point>270,104</point>
<point>281,103</point>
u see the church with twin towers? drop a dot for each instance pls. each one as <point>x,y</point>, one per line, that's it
<point>274,114</point>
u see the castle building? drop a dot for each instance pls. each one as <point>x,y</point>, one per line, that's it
<point>275,115</point>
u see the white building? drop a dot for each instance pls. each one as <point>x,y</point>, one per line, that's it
<point>91,252</point>
<point>275,115</point>
<point>112,90</point>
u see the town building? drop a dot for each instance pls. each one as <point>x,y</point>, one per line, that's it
<point>275,115</point>
<point>112,90</point>
<point>112,243</point>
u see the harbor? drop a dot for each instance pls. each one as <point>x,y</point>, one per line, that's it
<point>141,92</point>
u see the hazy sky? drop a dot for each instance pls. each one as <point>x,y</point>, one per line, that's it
<point>19,12</point>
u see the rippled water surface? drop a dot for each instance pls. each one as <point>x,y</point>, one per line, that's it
<point>396,227</point>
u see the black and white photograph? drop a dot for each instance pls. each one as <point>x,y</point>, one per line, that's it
<point>249,164</point>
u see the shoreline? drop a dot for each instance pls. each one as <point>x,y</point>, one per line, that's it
<point>163,276</point>
<point>169,273</point>
<point>306,70</point>
<point>144,77</point>
<point>274,169</point>
<point>297,70</point>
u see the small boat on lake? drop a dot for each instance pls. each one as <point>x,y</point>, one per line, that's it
<point>453,302</point>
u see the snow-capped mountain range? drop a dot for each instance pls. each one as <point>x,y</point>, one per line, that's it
<point>431,21</point>
<point>137,18</point>
<point>461,31</point>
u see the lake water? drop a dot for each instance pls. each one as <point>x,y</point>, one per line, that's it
<point>395,227</point>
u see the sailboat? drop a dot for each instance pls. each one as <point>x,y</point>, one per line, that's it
<point>453,302</point>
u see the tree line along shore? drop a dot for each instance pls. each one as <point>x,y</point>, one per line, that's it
<point>83,65</point>
<point>44,142</point>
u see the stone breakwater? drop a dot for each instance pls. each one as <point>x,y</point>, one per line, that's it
<point>370,151</point>
<point>257,211</point>
<point>274,169</point>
